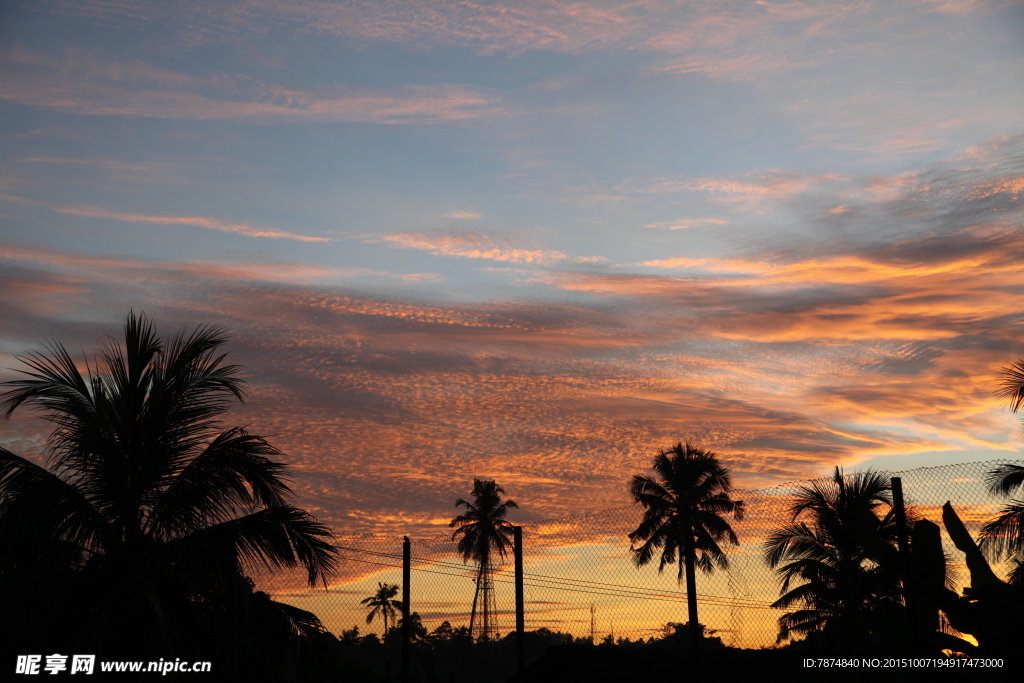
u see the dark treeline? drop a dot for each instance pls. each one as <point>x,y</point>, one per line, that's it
<point>450,654</point>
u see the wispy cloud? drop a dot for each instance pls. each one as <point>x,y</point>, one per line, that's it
<point>722,40</point>
<point>477,245</point>
<point>563,25</point>
<point>465,215</point>
<point>775,184</point>
<point>190,221</point>
<point>90,84</point>
<point>165,273</point>
<point>194,221</point>
<point>684,223</point>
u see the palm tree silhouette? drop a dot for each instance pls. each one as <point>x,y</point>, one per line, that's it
<point>483,528</point>
<point>1003,537</point>
<point>844,558</point>
<point>143,496</point>
<point>383,602</point>
<point>683,510</point>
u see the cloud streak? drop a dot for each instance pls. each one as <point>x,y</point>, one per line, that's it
<point>190,221</point>
<point>474,245</point>
<point>659,26</point>
<point>102,86</point>
<point>684,223</point>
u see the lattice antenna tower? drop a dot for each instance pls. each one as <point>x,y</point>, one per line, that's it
<point>487,600</point>
<point>484,597</point>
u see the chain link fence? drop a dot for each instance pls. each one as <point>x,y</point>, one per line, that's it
<point>580,583</point>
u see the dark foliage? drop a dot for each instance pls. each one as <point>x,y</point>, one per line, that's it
<point>838,561</point>
<point>135,538</point>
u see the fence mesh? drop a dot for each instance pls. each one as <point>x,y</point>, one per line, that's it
<point>580,579</point>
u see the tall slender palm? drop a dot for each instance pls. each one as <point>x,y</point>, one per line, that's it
<point>1003,537</point>
<point>383,603</point>
<point>683,508</point>
<point>841,555</point>
<point>483,529</point>
<point>143,496</point>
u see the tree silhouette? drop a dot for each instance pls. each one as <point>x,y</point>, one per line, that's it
<point>146,509</point>
<point>841,556</point>
<point>481,530</point>
<point>1003,537</point>
<point>417,631</point>
<point>383,602</point>
<point>683,508</point>
<point>1011,386</point>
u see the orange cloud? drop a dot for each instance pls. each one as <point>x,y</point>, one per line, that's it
<point>130,270</point>
<point>472,245</point>
<point>685,223</point>
<point>196,221</point>
<point>193,221</point>
<point>773,185</point>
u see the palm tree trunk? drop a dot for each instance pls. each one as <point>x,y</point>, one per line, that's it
<point>486,603</point>
<point>476,594</point>
<point>696,632</point>
<point>486,594</point>
<point>690,560</point>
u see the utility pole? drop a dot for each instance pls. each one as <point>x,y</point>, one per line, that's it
<point>406,614</point>
<point>906,561</point>
<point>593,623</point>
<point>517,550</point>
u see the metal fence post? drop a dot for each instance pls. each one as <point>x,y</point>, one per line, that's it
<point>517,537</point>
<point>906,562</point>
<point>406,613</point>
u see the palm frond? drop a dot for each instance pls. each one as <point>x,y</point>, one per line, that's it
<point>802,622</point>
<point>483,527</point>
<point>1004,535</point>
<point>838,554</point>
<point>54,387</point>
<point>234,472</point>
<point>275,537</point>
<point>37,504</point>
<point>1015,577</point>
<point>145,500</point>
<point>788,541</point>
<point>1011,388</point>
<point>1004,479</point>
<point>682,508</point>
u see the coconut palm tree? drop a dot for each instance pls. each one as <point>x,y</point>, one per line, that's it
<point>683,508</point>
<point>837,558</point>
<point>1003,537</point>
<point>383,603</point>
<point>483,529</point>
<point>1011,386</point>
<point>146,508</point>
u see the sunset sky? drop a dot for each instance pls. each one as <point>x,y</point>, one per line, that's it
<point>536,240</point>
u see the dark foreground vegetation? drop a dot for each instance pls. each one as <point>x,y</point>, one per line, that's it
<point>450,656</point>
<point>136,539</point>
